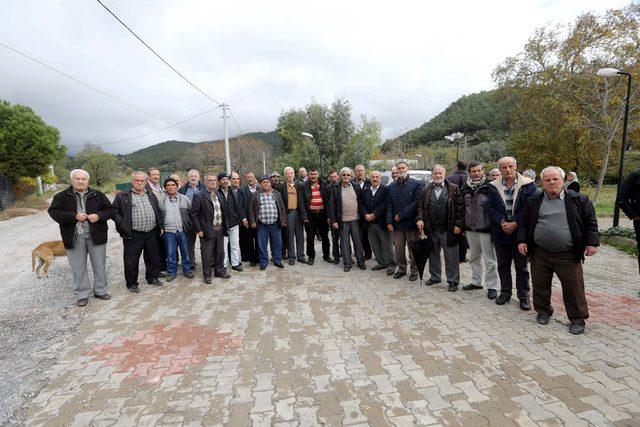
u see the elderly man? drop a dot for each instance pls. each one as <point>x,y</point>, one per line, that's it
<point>153,185</point>
<point>477,228</point>
<point>207,214</point>
<point>191,188</point>
<point>629,201</point>
<point>82,213</point>
<point>360,179</point>
<point>176,212</point>
<point>334,179</point>
<point>402,209</point>
<point>506,199</point>
<point>315,204</point>
<point>441,216</point>
<point>139,222</point>
<point>345,211</point>
<point>303,175</point>
<point>267,215</point>
<point>374,207</point>
<point>293,198</point>
<point>494,174</point>
<point>394,174</point>
<point>557,229</point>
<point>248,242</point>
<point>235,218</point>
<point>459,178</point>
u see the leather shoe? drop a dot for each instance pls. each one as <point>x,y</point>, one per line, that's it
<point>542,319</point>
<point>413,277</point>
<point>207,280</point>
<point>378,267</point>
<point>347,269</point>
<point>362,266</point>
<point>156,282</point>
<point>471,287</point>
<point>292,262</point>
<point>525,304</point>
<point>279,265</point>
<point>576,328</point>
<point>336,261</point>
<point>104,297</point>
<point>399,274</point>
<point>237,268</point>
<point>310,261</point>
<point>134,289</point>
<point>171,278</point>
<point>162,274</point>
<point>492,294</point>
<point>263,267</point>
<point>453,287</point>
<point>188,274</point>
<point>82,302</point>
<point>223,276</point>
<point>431,283</point>
<point>503,299</point>
<point>390,271</point>
<point>328,259</point>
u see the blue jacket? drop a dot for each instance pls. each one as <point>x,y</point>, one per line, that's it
<point>183,189</point>
<point>497,211</point>
<point>403,201</point>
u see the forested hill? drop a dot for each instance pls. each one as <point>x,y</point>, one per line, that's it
<point>483,114</point>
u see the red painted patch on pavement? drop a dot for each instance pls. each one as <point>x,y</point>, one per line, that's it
<point>164,350</point>
<point>612,309</point>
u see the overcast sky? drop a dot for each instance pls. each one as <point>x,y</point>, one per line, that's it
<point>401,62</point>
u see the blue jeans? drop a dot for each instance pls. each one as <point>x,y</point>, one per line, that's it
<point>173,241</point>
<point>269,234</point>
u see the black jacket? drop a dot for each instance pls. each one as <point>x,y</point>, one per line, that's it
<point>366,185</point>
<point>122,213</point>
<point>306,193</point>
<point>629,195</point>
<point>335,202</point>
<point>63,210</point>
<point>202,213</point>
<point>476,217</point>
<point>581,216</point>
<point>376,205</point>
<point>455,211</point>
<point>458,178</point>
<point>285,198</point>
<point>233,211</point>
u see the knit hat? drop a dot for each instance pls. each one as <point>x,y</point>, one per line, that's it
<point>222,175</point>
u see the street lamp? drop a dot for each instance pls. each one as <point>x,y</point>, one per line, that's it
<point>309,135</point>
<point>612,72</point>
<point>453,137</point>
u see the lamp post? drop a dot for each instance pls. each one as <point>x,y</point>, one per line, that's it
<point>612,72</point>
<point>309,135</point>
<point>454,137</point>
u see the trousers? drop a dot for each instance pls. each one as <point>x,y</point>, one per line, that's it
<point>77,257</point>
<point>232,246</point>
<point>451,258</point>
<point>317,226</point>
<point>481,250</point>
<point>506,255</point>
<point>401,238</point>
<point>349,229</point>
<point>212,252</point>
<point>269,235</point>
<point>147,244</point>
<point>295,235</point>
<point>380,239</point>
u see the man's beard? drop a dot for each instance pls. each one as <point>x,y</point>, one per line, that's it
<point>403,176</point>
<point>438,181</point>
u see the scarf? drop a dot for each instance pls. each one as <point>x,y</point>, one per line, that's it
<point>475,184</point>
<point>575,179</point>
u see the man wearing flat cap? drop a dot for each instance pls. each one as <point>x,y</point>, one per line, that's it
<point>234,215</point>
<point>267,215</point>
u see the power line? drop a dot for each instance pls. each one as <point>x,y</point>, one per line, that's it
<point>237,124</point>
<point>156,53</point>
<point>81,82</point>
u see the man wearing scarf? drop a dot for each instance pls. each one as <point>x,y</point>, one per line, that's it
<point>477,228</point>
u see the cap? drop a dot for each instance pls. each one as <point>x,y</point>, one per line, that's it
<point>263,177</point>
<point>222,175</point>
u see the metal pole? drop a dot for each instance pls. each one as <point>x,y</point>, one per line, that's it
<point>264,163</point>
<point>226,138</point>
<point>616,209</point>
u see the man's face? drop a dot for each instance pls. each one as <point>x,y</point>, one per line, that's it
<point>224,182</point>
<point>476,172</point>
<point>193,177</point>
<point>211,182</point>
<point>171,188</point>
<point>313,176</point>
<point>289,175</point>
<point>80,181</point>
<point>394,174</point>
<point>495,175</point>
<point>552,182</point>
<point>275,179</point>
<point>251,178</point>
<point>154,176</point>
<point>235,180</point>
<point>375,178</point>
<point>139,181</point>
<point>402,170</point>
<point>437,175</point>
<point>266,185</point>
<point>333,177</point>
<point>302,172</point>
<point>507,169</point>
<point>359,170</point>
<point>346,177</point>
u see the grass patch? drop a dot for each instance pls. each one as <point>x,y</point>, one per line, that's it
<point>606,198</point>
<point>27,206</point>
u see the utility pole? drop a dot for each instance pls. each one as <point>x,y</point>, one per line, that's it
<point>264,163</point>
<point>226,138</point>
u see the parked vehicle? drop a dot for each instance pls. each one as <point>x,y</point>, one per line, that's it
<point>424,176</point>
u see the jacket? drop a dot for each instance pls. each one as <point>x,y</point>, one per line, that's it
<point>306,191</point>
<point>202,213</point>
<point>403,201</point>
<point>475,213</point>
<point>63,210</point>
<point>367,183</point>
<point>244,199</point>
<point>254,208</point>
<point>183,189</point>
<point>455,211</point>
<point>458,178</point>
<point>233,212</point>
<point>282,188</point>
<point>497,211</point>
<point>335,202</point>
<point>376,205</point>
<point>629,195</point>
<point>184,204</point>
<point>581,216</point>
<point>122,212</point>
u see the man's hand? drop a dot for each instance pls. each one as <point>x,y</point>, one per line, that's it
<point>420,225</point>
<point>396,218</point>
<point>201,233</point>
<point>81,217</point>
<point>457,230</point>
<point>590,250</point>
<point>245,223</point>
<point>522,248</point>
<point>389,227</point>
<point>335,225</point>
<point>368,217</point>
<point>93,218</point>
<point>509,227</point>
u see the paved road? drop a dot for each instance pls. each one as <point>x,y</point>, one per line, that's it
<point>312,345</point>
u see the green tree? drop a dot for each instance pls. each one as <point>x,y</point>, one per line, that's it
<point>27,144</point>
<point>359,150</point>
<point>101,166</point>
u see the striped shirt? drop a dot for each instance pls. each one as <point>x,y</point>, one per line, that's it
<point>316,198</point>
<point>509,195</point>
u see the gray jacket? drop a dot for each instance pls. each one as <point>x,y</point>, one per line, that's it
<point>475,213</point>
<point>184,205</point>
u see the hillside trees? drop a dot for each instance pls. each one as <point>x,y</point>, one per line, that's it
<point>102,166</point>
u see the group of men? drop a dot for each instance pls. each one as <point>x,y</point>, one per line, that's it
<point>504,220</point>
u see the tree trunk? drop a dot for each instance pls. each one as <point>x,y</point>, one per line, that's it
<point>603,170</point>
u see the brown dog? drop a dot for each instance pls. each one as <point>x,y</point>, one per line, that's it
<point>45,253</point>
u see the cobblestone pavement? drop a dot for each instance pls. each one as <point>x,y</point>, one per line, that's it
<point>311,345</point>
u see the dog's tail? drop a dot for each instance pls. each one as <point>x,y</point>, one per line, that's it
<point>33,261</point>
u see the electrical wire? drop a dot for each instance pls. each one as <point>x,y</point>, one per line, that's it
<point>236,122</point>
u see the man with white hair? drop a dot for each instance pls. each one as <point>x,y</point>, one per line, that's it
<point>293,198</point>
<point>303,175</point>
<point>192,187</point>
<point>82,213</point>
<point>557,229</point>
<point>506,199</point>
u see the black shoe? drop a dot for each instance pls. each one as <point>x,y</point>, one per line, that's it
<point>453,287</point>
<point>503,299</point>
<point>327,259</point>
<point>391,271</point>
<point>525,304</point>
<point>263,267</point>
<point>471,287</point>
<point>171,278</point>
<point>162,274</point>
<point>399,274</point>
<point>237,268</point>
<point>576,328</point>
<point>413,277</point>
<point>543,319</point>
<point>292,262</point>
<point>347,269</point>
<point>134,289</point>
<point>362,266</point>
<point>279,265</point>
<point>310,261</point>
<point>188,274</point>
<point>224,275</point>
<point>431,283</point>
<point>378,267</point>
<point>492,294</point>
<point>336,261</point>
<point>82,302</point>
<point>104,297</point>
<point>207,280</point>
<point>155,282</point>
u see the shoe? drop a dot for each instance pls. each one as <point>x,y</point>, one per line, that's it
<point>302,261</point>
<point>104,297</point>
<point>156,282</point>
<point>253,264</point>
<point>399,274</point>
<point>471,287</point>
<point>503,299</point>
<point>82,302</point>
<point>453,287</point>
<point>162,275</point>
<point>362,266</point>
<point>525,304</point>
<point>279,265</point>
<point>492,294</point>
<point>431,283</point>
<point>188,274</point>
<point>224,275</point>
<point>413,277</point>
<point>134,289</point>
<point>347,269</point>
<point>327,259</point>
<point>207,280</point>
<point>336,261</point>
<point>378,267</point>
<point>391,271</point>
<point>310,261</point>
<point>462,261</point>
<point>263,267</point>
<point>542,319</point>
<point>574,328</point>
<point>292,262</point>
<point>237,268</point>
<point>171,278</point>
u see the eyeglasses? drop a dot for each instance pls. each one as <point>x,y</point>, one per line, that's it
<point>346,174</point>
